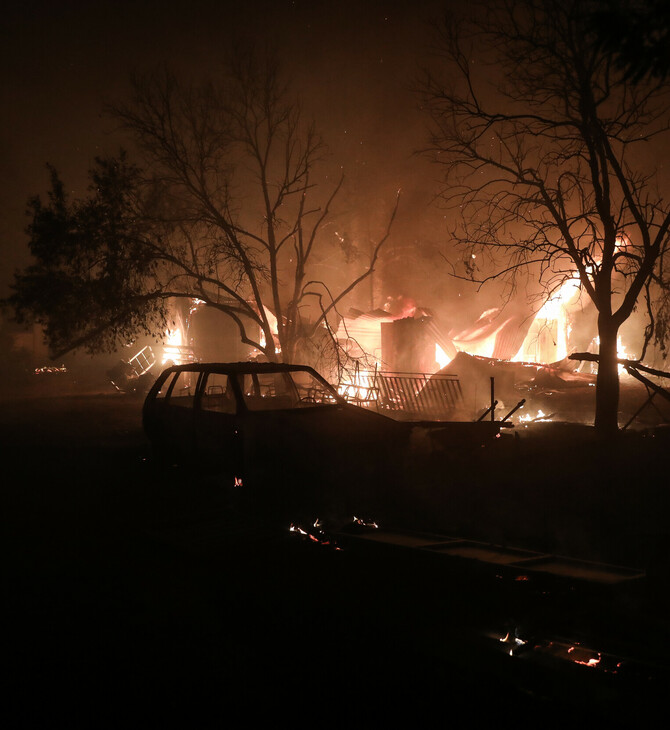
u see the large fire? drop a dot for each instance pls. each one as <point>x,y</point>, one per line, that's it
<point>358,387</point>
<point>272,321</point>
<point>174,340</point>
<point>441,357</point>
<point>621,353</point>
<point>547,338</point>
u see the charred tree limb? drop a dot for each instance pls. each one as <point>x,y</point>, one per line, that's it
<point>648,383</point>
<point>628,364</point>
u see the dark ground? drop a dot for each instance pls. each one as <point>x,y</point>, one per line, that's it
<point>141,595</point>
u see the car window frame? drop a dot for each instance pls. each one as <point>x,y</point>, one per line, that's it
<point>237,376</point>
<point>201,384</point>
<point>175,378</point>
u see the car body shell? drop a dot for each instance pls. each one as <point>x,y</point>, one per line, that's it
<point>280,430</point>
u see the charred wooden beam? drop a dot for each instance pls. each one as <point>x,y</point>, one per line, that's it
<point>490,409</point>
<point>514,410</point>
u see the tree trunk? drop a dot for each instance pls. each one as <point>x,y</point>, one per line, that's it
<point>607,383</point>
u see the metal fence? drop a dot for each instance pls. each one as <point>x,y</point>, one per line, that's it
<point>411,395</point>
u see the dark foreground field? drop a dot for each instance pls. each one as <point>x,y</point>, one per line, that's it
<point>140,595</point>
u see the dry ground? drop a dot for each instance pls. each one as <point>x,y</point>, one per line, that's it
<point>142,595</point>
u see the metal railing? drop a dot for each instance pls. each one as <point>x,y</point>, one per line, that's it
<point>413,395</point>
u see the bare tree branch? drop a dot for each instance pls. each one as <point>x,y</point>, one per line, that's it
<point>534,126</point>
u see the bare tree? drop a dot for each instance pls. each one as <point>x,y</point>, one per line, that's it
<point>548,151</point>
<point>235,165</point>
<point>224,207</point>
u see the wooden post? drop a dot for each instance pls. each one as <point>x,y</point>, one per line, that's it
<point>493,400</point>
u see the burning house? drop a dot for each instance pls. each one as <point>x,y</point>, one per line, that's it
<point>409,363</point>
<point>403,360</point>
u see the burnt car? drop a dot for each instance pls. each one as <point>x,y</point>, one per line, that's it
<point>280,429</point>
<point>280,432</point>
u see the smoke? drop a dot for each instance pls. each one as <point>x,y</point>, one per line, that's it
<point>352,64</point>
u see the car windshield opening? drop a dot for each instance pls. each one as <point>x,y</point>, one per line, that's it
<point>281,390</point>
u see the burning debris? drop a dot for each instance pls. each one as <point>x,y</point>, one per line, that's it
<point>574,653</point>
<point>50,370</point>
<point>317,534</point>
<point>586,657</point>
<point>363,523</point>
<point>539,417</point>
<point>133,376</point>
<point>515,643</point>
<point>314,534</point>
<point>525,352</point>
<point>561,653</point>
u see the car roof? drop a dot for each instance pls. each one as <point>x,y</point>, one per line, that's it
<point>243,367</point>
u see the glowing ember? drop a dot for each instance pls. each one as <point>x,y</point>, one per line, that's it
<point>582,657</point>
<point>515,641</point>
<point>50,369</point>
<point>363,523</point>
<point>296,528</point>
<point>317,536</point>
<point>539,416</point>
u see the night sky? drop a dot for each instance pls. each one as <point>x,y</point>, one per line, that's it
<point>353,63</point>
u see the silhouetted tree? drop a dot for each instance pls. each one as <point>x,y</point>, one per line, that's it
<point>636,33</point>
<point>225,209</point>
<point>547,148</point>
<point>93,281</point>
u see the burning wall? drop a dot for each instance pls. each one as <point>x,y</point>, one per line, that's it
<point>408,345</point>
<point>395,343</point>
<point>361,336</point>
